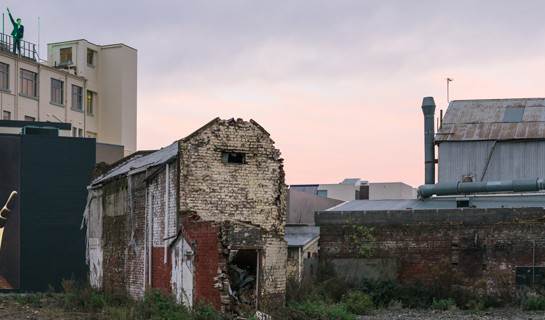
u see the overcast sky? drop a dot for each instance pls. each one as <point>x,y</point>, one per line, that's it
<point>337,84</point>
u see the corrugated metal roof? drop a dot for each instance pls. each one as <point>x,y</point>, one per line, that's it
<point>299,236</point>
<point>497,119</point>
<point>138,162</point>
<point>479,201</point>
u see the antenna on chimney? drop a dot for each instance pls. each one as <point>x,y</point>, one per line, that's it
<point>448,83</point>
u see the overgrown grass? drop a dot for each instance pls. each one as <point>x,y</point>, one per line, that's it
<point>79,295</point>
<point>325,296</point>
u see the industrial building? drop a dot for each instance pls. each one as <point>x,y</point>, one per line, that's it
<point>91,87</point>
<point>489,140</point>
<point>483,218</point>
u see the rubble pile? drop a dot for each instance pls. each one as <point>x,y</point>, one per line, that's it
<point>242,288</point>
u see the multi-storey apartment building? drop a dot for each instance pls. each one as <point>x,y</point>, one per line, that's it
<point>92,87</point>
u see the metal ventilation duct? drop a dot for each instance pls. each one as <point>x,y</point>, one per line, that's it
<point>428,108</point>
<point>453,188</point>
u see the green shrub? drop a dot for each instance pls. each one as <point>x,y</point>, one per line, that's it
<point>159,306</point>
<point>443,304</point>
<point>338,311</point>
<point>533,304</point>
<point>358,302</point>
<point>97,301</point>
<point>418,295</point>
<point>383,291</point>
<point>206,311</point>
<point>318,310</point>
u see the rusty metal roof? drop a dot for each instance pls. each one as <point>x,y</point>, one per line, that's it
<point>141,162</point>
<point>495,119</point>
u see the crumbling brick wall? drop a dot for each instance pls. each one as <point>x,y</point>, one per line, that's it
<point>162,195</point>
<point>207,258</point>
<point>488,247</point>
<point>123,235</point>
<point>253,191</point>
<point>126,235</point>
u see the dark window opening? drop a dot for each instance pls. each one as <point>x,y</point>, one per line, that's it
<point>233,157</point>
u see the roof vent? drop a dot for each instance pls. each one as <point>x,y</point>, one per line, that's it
<point>464,202</point>
<point>513,114</point>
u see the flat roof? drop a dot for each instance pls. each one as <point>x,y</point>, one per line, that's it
<point>527,200</point>
<point>20,124</point>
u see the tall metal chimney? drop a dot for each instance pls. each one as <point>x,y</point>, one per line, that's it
<point>428,107</point>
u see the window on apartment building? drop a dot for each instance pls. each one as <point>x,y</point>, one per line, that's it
<point>29,83</point>
<point>4,76</point>
<point>77,97</point>
<point>6,115</point>
<point>29,118</point>
<point>90,102</point>
<point>74,132</point>
<point>57,91</point>
<point>66,55</point>
<point>233,157</point>
<point>90,57</point>
<point>80,133</point>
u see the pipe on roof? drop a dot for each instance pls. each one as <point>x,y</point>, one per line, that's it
<point>453,188</point>
<point>428,108</point>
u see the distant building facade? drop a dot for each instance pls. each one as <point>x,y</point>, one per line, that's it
<point>89,86</point>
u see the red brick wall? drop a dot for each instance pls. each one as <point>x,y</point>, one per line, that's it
<point>161,271</point>
<point>206,259</point>
<point>476,251</point>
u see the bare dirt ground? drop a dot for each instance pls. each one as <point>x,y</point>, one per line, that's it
<point>425,314</point>
<point>40,309</point>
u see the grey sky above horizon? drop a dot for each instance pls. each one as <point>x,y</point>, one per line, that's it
<point>338,84</point>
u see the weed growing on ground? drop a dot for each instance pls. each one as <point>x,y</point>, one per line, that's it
<point>533,304</point>
<point>443,304</point>
<point>358,303</point>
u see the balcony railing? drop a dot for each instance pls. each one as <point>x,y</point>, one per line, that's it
<point>28,50</point>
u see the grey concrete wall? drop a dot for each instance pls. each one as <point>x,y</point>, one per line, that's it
<point>302,205</point>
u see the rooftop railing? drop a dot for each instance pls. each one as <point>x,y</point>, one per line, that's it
<point>28,50</point>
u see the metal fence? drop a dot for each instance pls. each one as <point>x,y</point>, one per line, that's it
<point>28,50</point>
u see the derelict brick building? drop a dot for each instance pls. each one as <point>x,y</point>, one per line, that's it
<point>193,218</point>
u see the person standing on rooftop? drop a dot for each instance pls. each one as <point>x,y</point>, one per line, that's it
<point>17,33</point>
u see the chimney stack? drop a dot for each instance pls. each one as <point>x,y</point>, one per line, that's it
<point>428,108</point>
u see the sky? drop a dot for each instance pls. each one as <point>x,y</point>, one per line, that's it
<point>338,84</point>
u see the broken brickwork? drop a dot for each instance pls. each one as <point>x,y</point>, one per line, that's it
<point>126,255</point>
<point>202,219</point>
<point>203,235</point>
<point>478,243</point>
<point>231,173</point>
<point>122,236</point>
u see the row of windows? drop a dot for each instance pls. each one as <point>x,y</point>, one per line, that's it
<point>29,87</point>
<point>66,56</point>
<point>6,115</point>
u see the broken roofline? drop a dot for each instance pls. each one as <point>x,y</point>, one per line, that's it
<point>217,120</point>
<point>141,155</point>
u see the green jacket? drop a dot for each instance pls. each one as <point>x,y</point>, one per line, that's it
<point>18,30</point>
